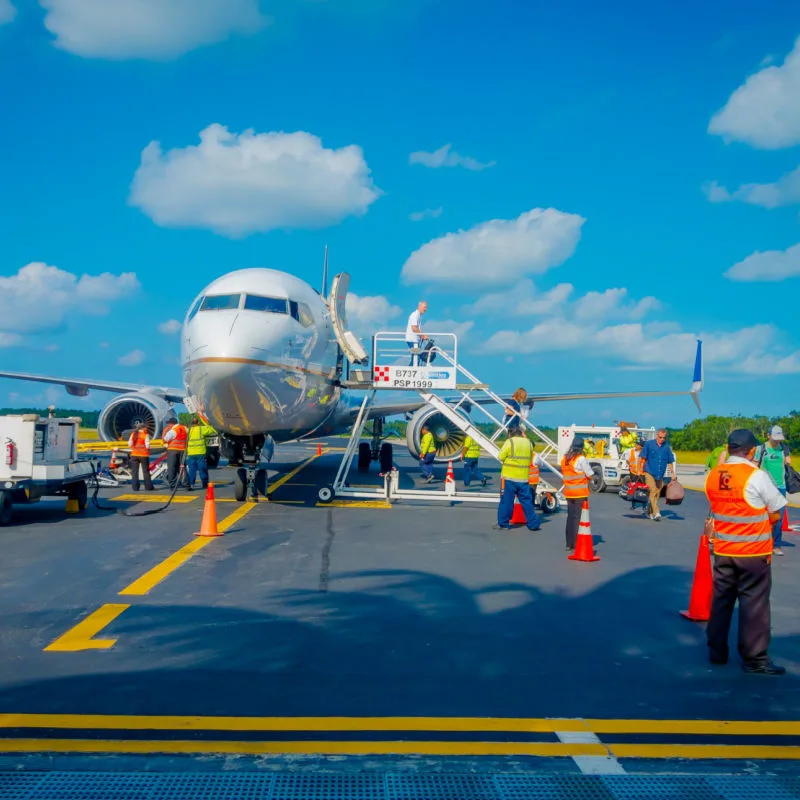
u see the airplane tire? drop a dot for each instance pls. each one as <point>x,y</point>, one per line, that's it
<point>549,504</point>
<point>261,482</point>
<point>240,485</point>
<point>326,494</point>
<point>6,508</point>
<point>386,458</point>
<point>364,457</point>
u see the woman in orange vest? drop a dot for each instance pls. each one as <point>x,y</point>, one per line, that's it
<point>175,438</point>
<point>576,472</point>
<point>744,506</point>
<point>139,444</point>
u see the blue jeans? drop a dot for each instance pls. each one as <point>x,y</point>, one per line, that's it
<point>411,345</point>
<point>471,471</point>
<point>522,491</point>
<point>193,464</point>
<point>777,534</point>
<point>426,463</point>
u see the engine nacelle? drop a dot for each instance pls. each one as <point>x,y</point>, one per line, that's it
<point>119,416</point>
<point>448,438</point>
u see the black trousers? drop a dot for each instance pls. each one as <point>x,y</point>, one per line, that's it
<point>148,481</point>
<point>173,467</point>
<point>749,580</point>
<point>574,507</point>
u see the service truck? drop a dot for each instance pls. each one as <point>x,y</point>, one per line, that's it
<point>40,459</point>
<point>608,464</point>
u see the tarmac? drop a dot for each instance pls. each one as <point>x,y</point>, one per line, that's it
<point>359,639</point>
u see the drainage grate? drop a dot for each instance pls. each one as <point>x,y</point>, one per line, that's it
<point>327,786</point>
<point>94,786</point>
<point>552,787</point>
<point>229,786</point>
<point>441,787</point>
<point>662,787</point>
<point>748,787</point>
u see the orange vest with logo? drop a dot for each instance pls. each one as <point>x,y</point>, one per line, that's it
<point>181,434</point>
<point>533,474</point>
<point>139,448</point>
<point>740,531</point>
<point>636,464</point>
<point>576,484</point>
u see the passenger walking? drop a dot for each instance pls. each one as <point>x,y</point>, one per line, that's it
<point>139,444</point>
<point>414,334</point>
<point>196,452</point>
<point>658,457</point>
<point>516,456</point>
<point>576,471</point>
<point>470,455</point>
<point>175,438</point>
<point>427,454</point>
<point>744,505</point>
<point>773,457</point>
<point>514,412</point>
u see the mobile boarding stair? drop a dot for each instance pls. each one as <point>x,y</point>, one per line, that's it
<point>447,387</point>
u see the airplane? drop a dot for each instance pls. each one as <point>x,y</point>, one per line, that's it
<point>262,357</point>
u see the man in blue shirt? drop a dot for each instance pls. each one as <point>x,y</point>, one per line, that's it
<point>658,457</point>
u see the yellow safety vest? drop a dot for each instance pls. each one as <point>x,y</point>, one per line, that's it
<point>516,455</point>
<point>427,445</point>
<point>471,448</point>
<point>197,439</point>
<point>627,440</point>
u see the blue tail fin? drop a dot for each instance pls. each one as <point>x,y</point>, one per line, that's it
<point>697,378</point>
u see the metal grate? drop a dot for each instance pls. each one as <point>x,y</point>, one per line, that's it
<point>39,785</point>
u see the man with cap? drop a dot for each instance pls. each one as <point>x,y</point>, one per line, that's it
<point>772,457</point>
<point>744,505</point>
<point>175,437</point>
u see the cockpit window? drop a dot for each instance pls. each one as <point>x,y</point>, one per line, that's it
<point>302,313</point>
<point>257,302</point>
<point>195,308</point>
<point>220,302</point>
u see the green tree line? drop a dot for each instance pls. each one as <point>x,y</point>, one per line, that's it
<point>88,418</point>
<point>709,432</point>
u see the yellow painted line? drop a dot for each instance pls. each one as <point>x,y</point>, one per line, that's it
<point>726,751</point>
<point>548,749</point>
<point>157,574</point>
<point>289,475</point>
<point>699,727</point>
<point>81,636</point>
<point>355,504</point>
<point>151,498</point>
<point>284,502</point>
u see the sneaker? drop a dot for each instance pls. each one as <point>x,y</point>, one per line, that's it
<point>483,482</point>
<point>657,517</point>
<point>429,479</point>
<point>777,551</point>
<point>763,668</point>
<point>537,528</point>
<point>501,527</point>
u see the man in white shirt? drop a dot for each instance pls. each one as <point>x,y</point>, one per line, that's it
<point>414,334</point>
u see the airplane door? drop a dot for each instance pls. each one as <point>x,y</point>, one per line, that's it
<point>337,302</point>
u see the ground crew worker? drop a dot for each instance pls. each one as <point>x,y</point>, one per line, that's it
<point>636,462</point>
<point>576,471</point>
<point>175,438</point>
<point>427,454</point>
<point>196,452</point>
<point>139,444</point>
<point>744,505</point>
<point>627,439</point>
<point>470,455</point>
<point>516,456</point>
<point>588,448</point>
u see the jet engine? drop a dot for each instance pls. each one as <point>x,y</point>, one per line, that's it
<point>448,438</point>
<point>118,417</point>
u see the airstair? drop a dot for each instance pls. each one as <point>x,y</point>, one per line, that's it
<point>446,386</point>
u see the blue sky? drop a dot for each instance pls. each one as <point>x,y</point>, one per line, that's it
<point>608,165</point>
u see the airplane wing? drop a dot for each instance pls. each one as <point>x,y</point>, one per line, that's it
<point>80,388</point>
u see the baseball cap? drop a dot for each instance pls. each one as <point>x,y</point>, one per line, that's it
<point>742,439</point>
<point>776,434</point>
<point>578,441</point>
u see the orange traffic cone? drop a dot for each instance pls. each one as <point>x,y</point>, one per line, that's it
<point>319,449</point>
<point>700,598</point>
<point>785,528</point>
<point>450,479</point>
<point>518,515</point>
<point>208,527</point>
<point>113,463</point>
<point>584,547</point>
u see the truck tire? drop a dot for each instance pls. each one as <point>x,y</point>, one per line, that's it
<point>596,483</point>
<point>78,491</point>
<point>6,508</point>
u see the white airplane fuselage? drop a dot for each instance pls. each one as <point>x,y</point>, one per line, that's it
<point>259,356</point>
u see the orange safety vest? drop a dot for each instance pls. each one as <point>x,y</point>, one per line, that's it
<point>139,448</point>
<point>636,464</point>
<point>181,435</point>
<point>533,474</point>
<point>740,531</point>
<point>576,484</point>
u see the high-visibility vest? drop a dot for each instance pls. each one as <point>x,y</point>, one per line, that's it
<point>588,449</point>
<point>576,484</point>
<point>427,445</point>
<point>627,441</point>
<point>197,439</point>
<point>139,447</point>
<point>471,448</point>
<point>181,435</point>
<point>636,463</point>
<point>740,530</point>
<point>533,474</point>
<point>516,454</point>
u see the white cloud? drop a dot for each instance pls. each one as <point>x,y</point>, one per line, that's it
<point>170,326</point>
<point>784,192</point>
<point>521,301</point>
<point>771,265</point>
<point>428,213</point>
<point>40,297</point>
<point>445,157</point>
<point>7,12</point>
<point>149,29</point>
<point>498,252</point>
<point>237,184</point>
<point>461,328</point>
<point>764,111</point>
<point>132,359</point>
<point>368,314</point>
<point>9,339</point>
<point>612,303</point>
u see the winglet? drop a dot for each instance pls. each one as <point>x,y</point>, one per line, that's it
<point>697,378</point>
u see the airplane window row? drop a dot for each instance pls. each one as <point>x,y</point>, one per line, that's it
<point>254,302</point>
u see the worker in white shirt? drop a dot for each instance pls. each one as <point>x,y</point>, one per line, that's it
<point>414,334</point>
<point>576,471</point>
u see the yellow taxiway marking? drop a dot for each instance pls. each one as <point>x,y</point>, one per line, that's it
<point>151,498</point>
<point>725,751</point>
<point>289,475</point>
<point>81,636</point>
<point>355,504</point>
